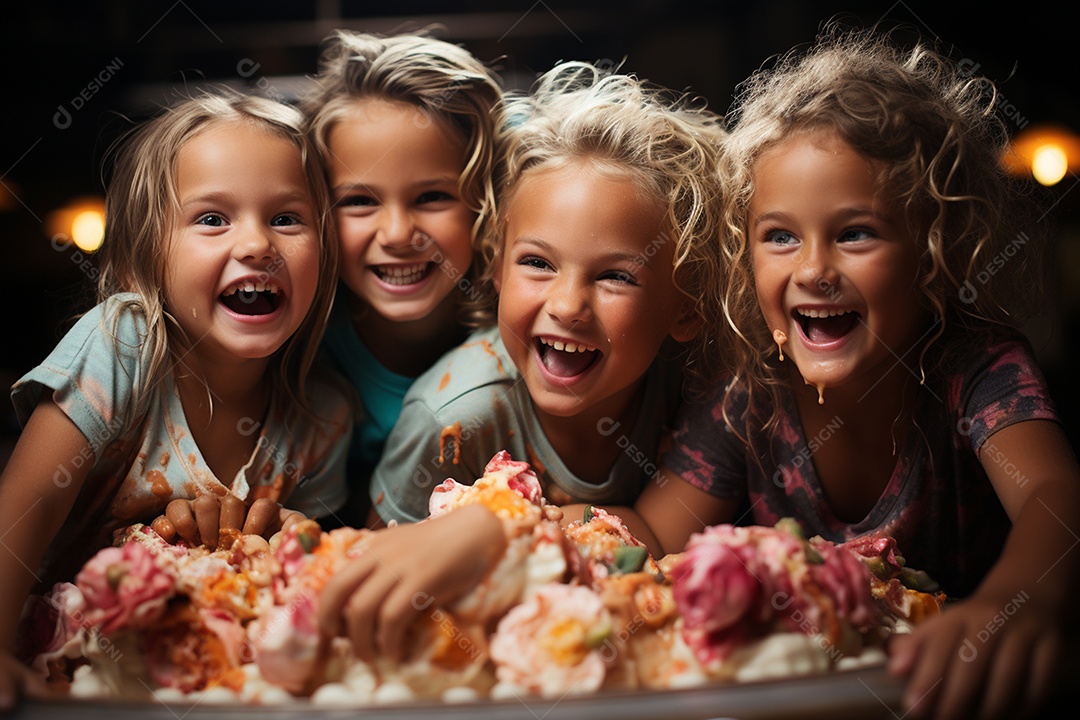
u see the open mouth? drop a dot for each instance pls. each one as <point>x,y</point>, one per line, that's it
<point>403,274</point>
<point>249,297</point>
<point>566,359</point>
<point>822,327</point>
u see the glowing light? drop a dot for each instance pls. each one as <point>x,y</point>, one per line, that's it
<point>1049,164</point>
<point>88,230</point>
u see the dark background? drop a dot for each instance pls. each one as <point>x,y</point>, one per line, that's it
<point>146,51</point>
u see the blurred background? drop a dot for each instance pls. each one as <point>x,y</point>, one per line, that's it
<point>78,74</point>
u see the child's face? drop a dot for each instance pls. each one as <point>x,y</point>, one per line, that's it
<point>404,230</point>
<point>836,266</point>
<point>242,263</point>
<point>586,295</point>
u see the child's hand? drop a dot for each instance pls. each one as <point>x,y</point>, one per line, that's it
<point>16,680</point>
<point>405,569</point>
<point>201,520</point>
<point>986,657</point>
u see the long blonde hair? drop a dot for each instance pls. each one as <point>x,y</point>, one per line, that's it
<point>142,203</point>
<point>666,144</point>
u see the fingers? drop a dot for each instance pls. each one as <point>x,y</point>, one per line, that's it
<point>290,517</point>
<point>1008,676</point>
<point>163,527</point>
<point>362,612</point>
<point>937,645</point>
<point>262,515</point>
<point>399,610</point>
<point>207,511</point>
<point>178,512</point>
<point>336,594</point>
<point>233,511</point>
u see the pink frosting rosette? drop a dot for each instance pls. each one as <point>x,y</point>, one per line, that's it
<point>556,643</point>
<point>124,588</point>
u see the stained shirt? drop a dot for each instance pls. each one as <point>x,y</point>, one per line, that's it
<point>138,467</point>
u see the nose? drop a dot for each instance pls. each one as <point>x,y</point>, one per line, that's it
<point>817,266</point>
<point>569,301</point>
<point>255,243</point>
<point>398,231</point>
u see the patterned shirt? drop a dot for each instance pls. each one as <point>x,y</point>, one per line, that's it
<point>939,503</point>
<point>137,468</point>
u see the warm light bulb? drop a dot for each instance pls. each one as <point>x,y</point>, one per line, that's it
<point>88,230</point>
<point>1049,164</point>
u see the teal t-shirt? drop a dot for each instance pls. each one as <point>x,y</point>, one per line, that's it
<point>139,465</point>
<point>380,391</point>
<point>472,403</point>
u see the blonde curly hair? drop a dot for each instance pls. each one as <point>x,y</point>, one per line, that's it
<point>934,130</point>
<point>667,145</point>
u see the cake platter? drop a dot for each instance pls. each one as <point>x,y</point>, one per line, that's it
<point>864,693</point>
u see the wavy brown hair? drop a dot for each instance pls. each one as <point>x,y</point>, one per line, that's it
<point>934,130</point>
<point>141,205</point>
<point>665,143</point>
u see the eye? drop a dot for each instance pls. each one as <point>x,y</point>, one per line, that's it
<point>780,237</point>
<point>210,220</point>
<point>357,201</point>
<point>433,196</point>
<point>534,262</point>
<point>286,220</point>
<point>620,277</point>
<point>856,234</point>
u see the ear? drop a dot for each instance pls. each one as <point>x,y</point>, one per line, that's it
<point>687,324</point>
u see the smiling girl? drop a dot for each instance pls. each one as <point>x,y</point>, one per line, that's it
<point>190,379</point>
<point>602,249</point>
<point>406,126</point>
<point>879,385</point>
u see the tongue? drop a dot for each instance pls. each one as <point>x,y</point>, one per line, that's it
<point>567,364</point>
<point>824,330</point>
<point>249,303</point>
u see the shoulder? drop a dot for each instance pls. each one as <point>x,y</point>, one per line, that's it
<point>478,364</point>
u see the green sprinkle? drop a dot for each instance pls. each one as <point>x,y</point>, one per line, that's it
<point>629,558</point>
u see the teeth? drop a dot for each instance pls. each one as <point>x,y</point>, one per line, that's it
<point>568,346</point>
<point>252,286</point>
<point>814,313</point>
<point>402,274</point>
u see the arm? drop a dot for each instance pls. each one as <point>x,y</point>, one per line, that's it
<point>375,598</point>
<point>1007,636</point>
<point>666,513</point>
<point>37,491</point>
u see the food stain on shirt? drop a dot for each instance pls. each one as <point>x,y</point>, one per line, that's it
<point>453,432</point>
<point>444,382</point>
<point>159,485</point>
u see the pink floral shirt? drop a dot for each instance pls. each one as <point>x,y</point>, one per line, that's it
<point>938,504</point>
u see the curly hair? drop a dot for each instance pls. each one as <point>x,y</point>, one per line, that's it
<point>141,205</point>
<point>668,146</point>
<point>441,79</point>
<point>934,130</point>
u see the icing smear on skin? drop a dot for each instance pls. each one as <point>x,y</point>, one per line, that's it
<point>780,337</point>
<point>820,391</point>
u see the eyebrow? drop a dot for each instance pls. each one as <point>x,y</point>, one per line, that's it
<point>845,213</point>
<point>545,245</point>
<point>347,187</point>
<point>223,196</point>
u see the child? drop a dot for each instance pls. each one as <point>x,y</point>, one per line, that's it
<point>189,378</point>
<point>601,247</point>
<point>406,126</point>
<point>877,382</point>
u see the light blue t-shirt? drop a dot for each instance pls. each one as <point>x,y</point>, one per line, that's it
<point>478,386</point>
<point>137,468</point>
<point>380,391</point>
